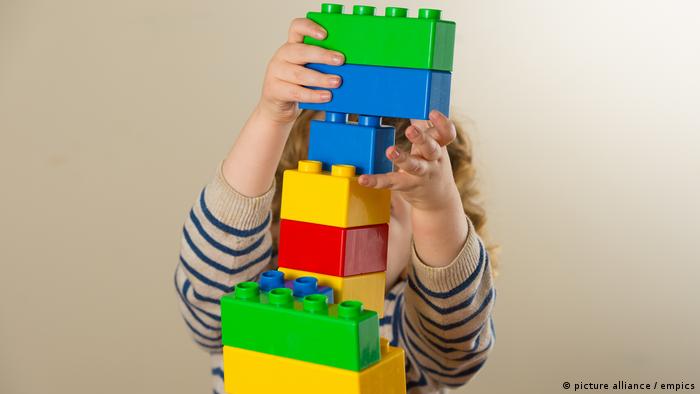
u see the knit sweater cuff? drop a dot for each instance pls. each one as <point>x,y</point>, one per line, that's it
<point>233,208</point>
<point>444,279</point>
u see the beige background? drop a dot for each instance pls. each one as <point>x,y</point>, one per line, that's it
<point>113,114</point>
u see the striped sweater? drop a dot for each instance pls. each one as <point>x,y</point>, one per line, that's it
<point>440,316</point>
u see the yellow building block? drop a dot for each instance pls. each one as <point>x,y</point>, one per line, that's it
<point>334,199</point>
<point>248,372</point>
<point>367,288</point>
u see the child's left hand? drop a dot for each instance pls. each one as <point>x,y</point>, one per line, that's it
<point>424,177</point>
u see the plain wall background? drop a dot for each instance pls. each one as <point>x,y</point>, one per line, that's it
<point>586,124</point>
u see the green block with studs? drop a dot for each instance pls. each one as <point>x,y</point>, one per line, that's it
<point>340,335</point>
<point>392,40</point>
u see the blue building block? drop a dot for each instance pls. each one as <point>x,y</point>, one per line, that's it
<point>386,91</point>
<point>301,287</point>
<point>307,285</point>
<point>362,145</point>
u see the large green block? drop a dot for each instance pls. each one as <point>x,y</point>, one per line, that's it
<point>392,40</point>
<point>340,335</point>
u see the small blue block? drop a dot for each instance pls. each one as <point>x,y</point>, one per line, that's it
<point>362,146</point>
<point>271,280</point>
<point>307,285</point>
<point>386,91</point>
<point>301,287</point>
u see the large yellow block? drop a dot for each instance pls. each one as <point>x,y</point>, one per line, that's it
<point>248,372</point>
<point>334,199</point>
<point>367,288</point>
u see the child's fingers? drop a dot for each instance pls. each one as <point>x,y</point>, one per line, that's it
<point>444,130</point>
<point>421,124</point>
<point>292,92</point>
<point>307,77</point>
<point>302,54</point>
<point>390,180</point>
<point>407,162</point>
<point>301,27</point>
<point>423,143</point>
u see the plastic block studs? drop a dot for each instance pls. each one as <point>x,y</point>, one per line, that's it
<point>249,372</point>
<point>301,287</point>
<point>386,91</point>
<point>340,335</point>
<point>332,199</point>
<point>367,288</point>
<point>393,40</point>
<point>308,285</point>
<point>362,145</point>
<point>332,250</point>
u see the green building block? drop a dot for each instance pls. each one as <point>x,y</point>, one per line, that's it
<point>339,335</point>
<point>392,40</point>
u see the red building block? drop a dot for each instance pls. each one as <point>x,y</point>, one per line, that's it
<point>332,250</point>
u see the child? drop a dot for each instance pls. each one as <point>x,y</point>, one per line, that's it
<point>438,273</point>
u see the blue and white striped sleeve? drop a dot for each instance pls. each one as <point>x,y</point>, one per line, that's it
<point>442,317</point>
<point>226,239</point>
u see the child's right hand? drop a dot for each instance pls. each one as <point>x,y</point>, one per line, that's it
<point>286,75</point>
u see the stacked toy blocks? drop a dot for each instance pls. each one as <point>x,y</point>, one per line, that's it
<point>307,346</point>
<point>395,66</point>
<point>315,322</point>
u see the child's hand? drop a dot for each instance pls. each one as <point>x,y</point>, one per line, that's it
<point>286,75</point>
<point>424,175</point>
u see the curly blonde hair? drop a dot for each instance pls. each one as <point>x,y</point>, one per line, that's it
<point>461,159</point>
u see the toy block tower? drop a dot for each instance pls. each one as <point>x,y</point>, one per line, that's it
<point>314,323</point>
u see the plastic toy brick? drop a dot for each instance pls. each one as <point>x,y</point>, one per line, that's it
<point>248,372</point>
<point>367,288</point>
<point>332,199</point>
<point>386,91</point>
<point>362,145</point>
<point>301,287</point>
<point>393,40</point>
<point>331,250</point>
<point>340,335</point>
